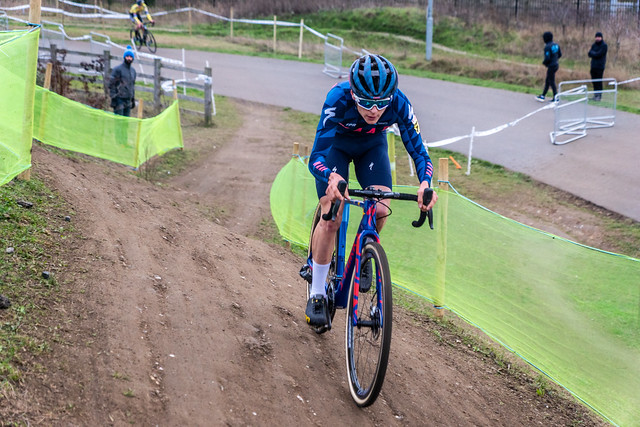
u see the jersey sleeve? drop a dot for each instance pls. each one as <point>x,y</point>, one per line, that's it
<point>412,139</point>
<point>330,117</point>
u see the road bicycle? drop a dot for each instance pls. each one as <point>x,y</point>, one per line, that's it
<point>146,38</point>
<point>369,309</point>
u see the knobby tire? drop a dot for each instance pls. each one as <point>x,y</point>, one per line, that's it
<point>151,42</point>
<point>368,342</point>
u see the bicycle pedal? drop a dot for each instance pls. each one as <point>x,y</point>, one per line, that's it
<point>305,273</point>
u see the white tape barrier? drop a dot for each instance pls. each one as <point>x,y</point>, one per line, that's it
<point>627,81</point>
<point>109,14</point>
<point>488,132</point>
<point>106,42</point>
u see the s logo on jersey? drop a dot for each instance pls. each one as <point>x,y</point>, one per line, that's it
<point>329,113</point>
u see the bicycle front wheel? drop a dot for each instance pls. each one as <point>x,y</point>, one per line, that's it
<point>150,41</point>
<point>368,331</point>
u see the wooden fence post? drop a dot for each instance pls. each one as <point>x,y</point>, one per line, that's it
<point>441,237</point>
<point>231,22</point>
<point>95,4</point>
<point>189,18</point>
<point>35,7</point>
<point>45,95</point>
<point>275,26</point>
<point>106,72</point>
<point>301,35</point>
<point>136,155</point>
<point>53,52</point>
<point>157,85</point>
<point>207,96</point>
<point>47,76</point>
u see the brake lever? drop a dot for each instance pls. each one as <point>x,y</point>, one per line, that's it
<point>426,199</point>
<point>335,206</point>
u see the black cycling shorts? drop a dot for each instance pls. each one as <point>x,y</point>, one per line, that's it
<point>370,159</point>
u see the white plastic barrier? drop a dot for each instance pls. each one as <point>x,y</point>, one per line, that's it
<point>570,118</point>
<point>333,46</point>
<point>601,104</point>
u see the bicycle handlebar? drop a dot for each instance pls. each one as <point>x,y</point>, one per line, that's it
<point>381,194</point>
<point>331,215</point>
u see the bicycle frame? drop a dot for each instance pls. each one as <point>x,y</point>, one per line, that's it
<point>344,272</point>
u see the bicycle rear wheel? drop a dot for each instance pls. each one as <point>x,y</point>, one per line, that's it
<point>150,41</point>
<point>331,276</point>
<point>135,38</point>
<point>368,331</point>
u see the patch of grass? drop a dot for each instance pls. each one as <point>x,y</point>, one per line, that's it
<point>224,123</point>
<point>542,385</point>
<point>119,376</point>
<point>33,231</point>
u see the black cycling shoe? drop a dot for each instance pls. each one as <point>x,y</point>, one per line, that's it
<point>365,276</point>
<point>316,313</point>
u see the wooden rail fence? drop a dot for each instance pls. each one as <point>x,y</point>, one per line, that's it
<point>161,73</point>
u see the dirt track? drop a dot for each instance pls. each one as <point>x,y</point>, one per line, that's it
<point>175,317</point>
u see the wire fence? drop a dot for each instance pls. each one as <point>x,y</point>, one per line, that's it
<point>537,8</point>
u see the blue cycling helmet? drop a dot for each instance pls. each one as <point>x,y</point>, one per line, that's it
<point>373,77</point>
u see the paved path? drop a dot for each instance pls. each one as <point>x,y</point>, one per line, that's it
<point>603,167</point>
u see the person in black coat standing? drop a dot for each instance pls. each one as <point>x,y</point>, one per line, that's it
<point>122,85</point>
<point>552,53</point>
<point>598,55</point>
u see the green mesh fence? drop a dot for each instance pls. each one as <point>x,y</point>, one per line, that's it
<point>18,54</point>
<point>571,311</point>
<point>67,124</point>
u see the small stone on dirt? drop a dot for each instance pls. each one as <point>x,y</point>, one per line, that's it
<point>4,302</point>
<point>9,250</point>
<point>46,274</point>
<point>25,204</point>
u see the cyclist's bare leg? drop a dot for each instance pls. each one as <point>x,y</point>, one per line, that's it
<point>324,235</point>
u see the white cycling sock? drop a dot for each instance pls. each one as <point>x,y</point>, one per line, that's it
<point>319,278</point>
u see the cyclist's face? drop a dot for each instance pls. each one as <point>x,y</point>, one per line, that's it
<point>370,116</point>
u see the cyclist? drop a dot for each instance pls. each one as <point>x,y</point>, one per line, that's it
<point>138,9</point>
<point>352,127</point>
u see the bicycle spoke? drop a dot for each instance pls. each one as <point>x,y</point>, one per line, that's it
<point>368,340</point>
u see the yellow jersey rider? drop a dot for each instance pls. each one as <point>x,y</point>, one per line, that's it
<point>138,9</point>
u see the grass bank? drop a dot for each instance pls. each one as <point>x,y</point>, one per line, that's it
<point>34,225</point>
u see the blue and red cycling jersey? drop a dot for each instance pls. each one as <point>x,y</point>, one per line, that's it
<point>340,118</point>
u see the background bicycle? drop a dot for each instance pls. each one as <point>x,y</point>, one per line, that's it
<point>143,37</point>
<point>368,301</point>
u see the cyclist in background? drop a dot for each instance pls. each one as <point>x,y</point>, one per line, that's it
<point>352,127</point>
<point>136,13</point>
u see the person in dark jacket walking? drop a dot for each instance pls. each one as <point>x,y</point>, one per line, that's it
<point>122,85</point>
<point>598,55</point>
<point>552,53</point>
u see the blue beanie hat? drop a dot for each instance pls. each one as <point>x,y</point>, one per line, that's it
<point>128,52</point>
